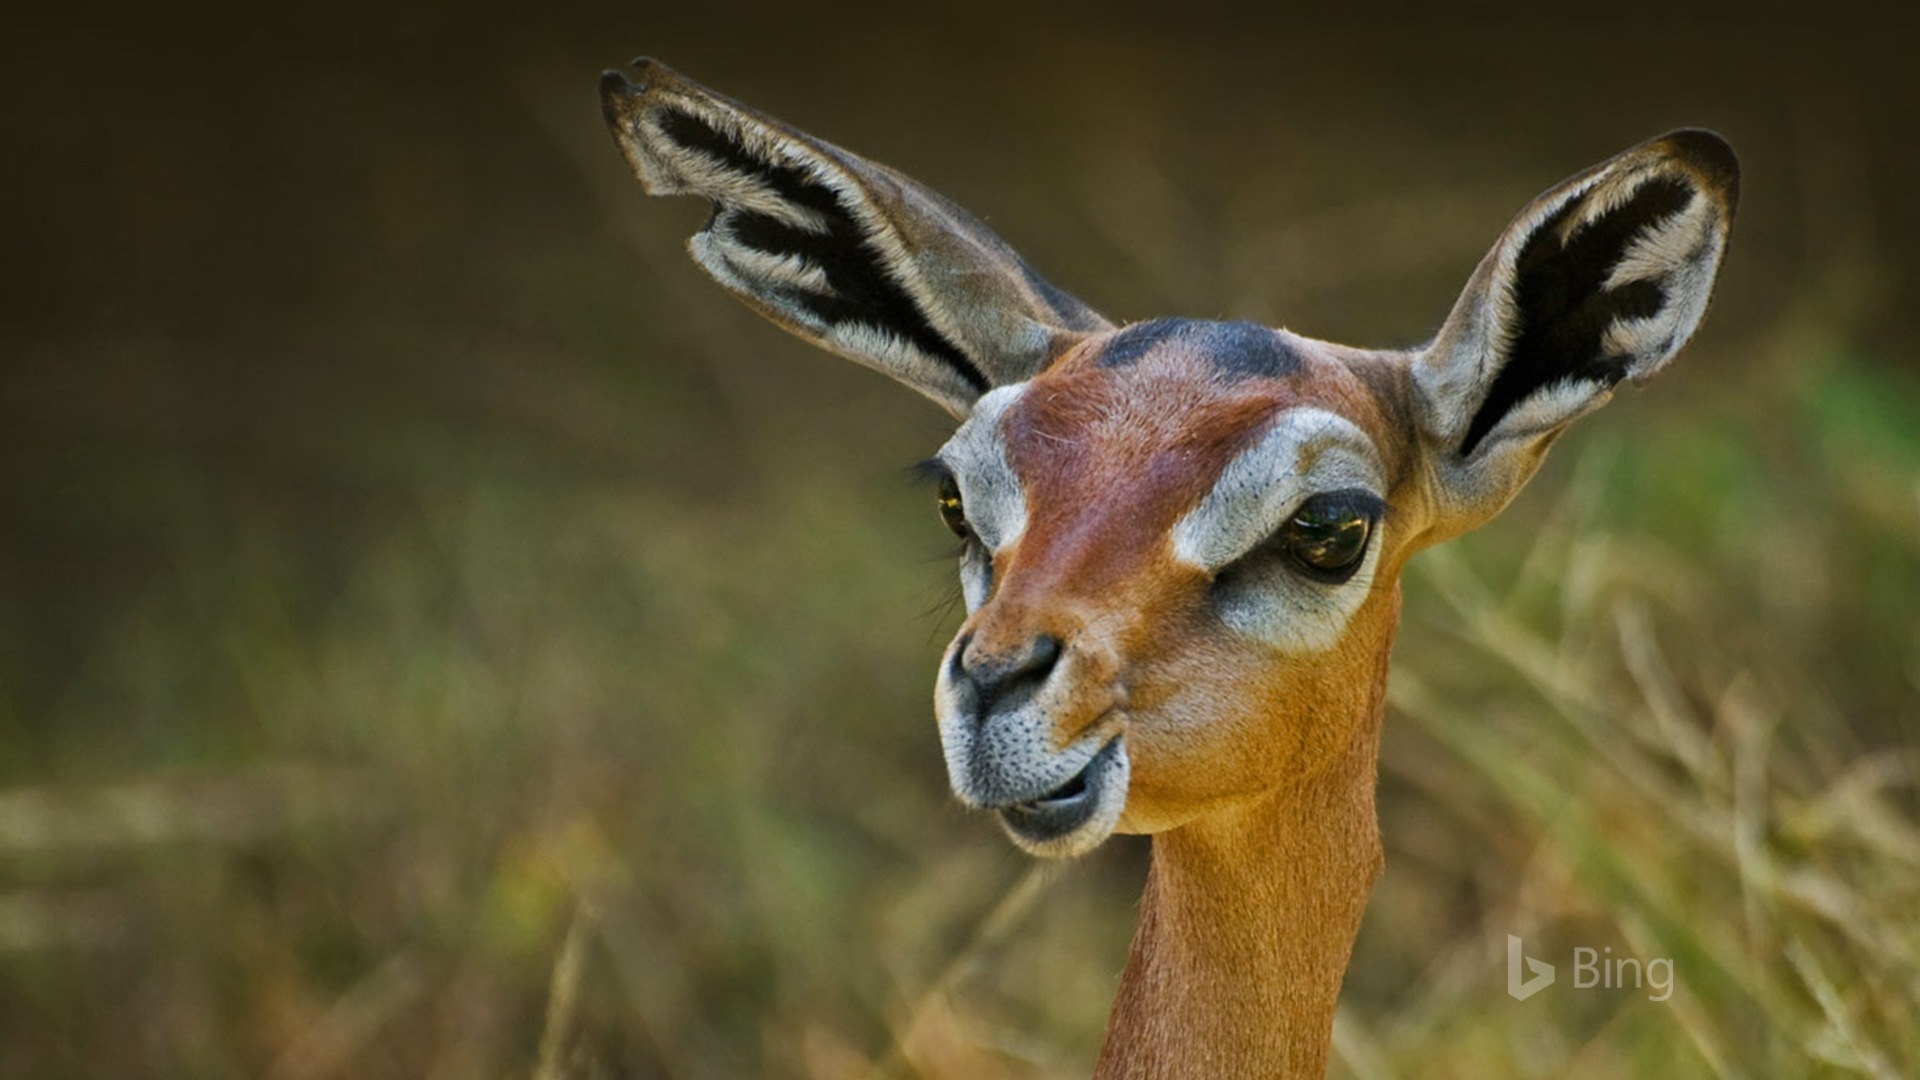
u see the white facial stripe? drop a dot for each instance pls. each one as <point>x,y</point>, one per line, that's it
<point>976,577</point>
<point>1308,450</point>
<point>996,506</point>
<point>1277,605</point>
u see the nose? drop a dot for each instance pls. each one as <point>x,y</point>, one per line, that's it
<point>992,680</point>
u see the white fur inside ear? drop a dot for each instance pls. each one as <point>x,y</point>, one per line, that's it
<point>1679,254</point>
<point>1608,191</point>
<point>1544,410</point>
<point>670,167</point>
<point>1682,254</point>
<point>775,272</point>
<point>770,281</point>
<point>1453,372</point>
<point>892,355</point>
<point>917,269</point>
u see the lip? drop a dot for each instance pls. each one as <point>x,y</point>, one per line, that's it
<point>1051,824</point>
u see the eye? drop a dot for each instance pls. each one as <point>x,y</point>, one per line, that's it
<point>952,511</point>
<point>1327,536</point>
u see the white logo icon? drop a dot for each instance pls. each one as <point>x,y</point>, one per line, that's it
<point>1542,972</point>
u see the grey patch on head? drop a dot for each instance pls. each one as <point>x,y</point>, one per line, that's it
<point>1239,350</point>
<point>1126,347</point>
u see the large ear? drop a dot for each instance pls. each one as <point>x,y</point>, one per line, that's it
<point>842,251</point>
<point>1603,278</point>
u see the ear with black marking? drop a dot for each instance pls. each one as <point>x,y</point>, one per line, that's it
<point>1603,278</point>
<point>842,251</point>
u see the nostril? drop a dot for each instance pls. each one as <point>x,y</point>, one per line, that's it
<point>1041,658</point>
<point>998,679</point>
<point>957,663</point>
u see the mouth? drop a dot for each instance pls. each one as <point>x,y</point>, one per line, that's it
<point>1076,816</point>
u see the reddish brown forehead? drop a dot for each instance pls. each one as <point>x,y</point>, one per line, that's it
<point>1123,436</point>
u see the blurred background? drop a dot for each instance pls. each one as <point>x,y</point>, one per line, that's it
<point>442,635</point>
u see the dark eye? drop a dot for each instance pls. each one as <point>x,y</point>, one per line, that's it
<point>952,511</point>
<point>1327,536</point>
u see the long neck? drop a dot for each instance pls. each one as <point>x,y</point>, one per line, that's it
<point>1246,926</point>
